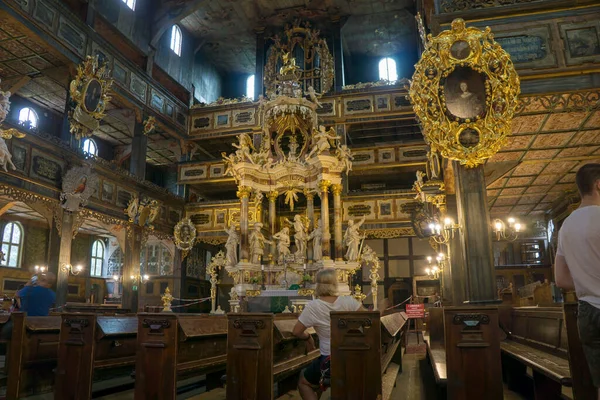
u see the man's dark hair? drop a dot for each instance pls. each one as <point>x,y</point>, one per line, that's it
<point>586,178</point>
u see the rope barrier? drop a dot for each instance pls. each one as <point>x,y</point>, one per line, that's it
<point>398,305</point>
<point>191,304</point>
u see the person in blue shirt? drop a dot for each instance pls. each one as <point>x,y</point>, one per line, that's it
<point>37,299</point>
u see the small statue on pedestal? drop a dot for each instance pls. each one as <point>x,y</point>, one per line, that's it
<point>300,237</point>
<point>231,246</point>
<point>317,237</point>
<point>257,244</point>
<point>167,299</point>
<point>352,239</point>
<point>283,244</point>
<point>243,148</point>
<point>320,141</point>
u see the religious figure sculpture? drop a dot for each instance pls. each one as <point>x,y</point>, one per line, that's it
<point>352,239</point>
<point>344,154</point>
<point>231,246</point>
<point>321,141</point>
<point>5,156</point>
<point>300,237</point>
<point>243,147</point>
<point>317,237</point>
<point>289,64</point>
<point>257,243</point>
<point>313,95</point>
<point>79,184</point>
<point>420,175</point>
<point>283,244</point>
<point>167,298</point>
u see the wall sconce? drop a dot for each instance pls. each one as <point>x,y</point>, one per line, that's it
<point>435,270</point>
<point>139,278</point>
<point>41,269</point>
<point>512,233</point>
<point>443,233</point>
<point>72,270</point>
<point>116,278</point>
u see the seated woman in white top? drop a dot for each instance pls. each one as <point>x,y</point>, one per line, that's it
<point>316,315</point>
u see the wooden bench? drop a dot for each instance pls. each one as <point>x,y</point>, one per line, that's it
<point>174,346</point>
<point>32,354</point>
<point>95,308</point>
<point>262,350</point>
<point>436,348</point>
<point>89,343</point>
<point>363,346</point>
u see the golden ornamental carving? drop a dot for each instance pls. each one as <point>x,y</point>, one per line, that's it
<point>89,90</point>
<point>243,192</point>
<point>215,241</point>
<point>465,92</point>
<point>324,186</point>
<point>272,196</point>
<point>185,235</point>
<point>389,233</point>
<point>358,294</point>
<point>149,125</point>
<point>5,156</point>
<point>336,189</point>
<point>252,293</point>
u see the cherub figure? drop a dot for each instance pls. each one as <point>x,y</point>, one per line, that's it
<point>243,148</point>
<point>321,141</point>
<point>314,96</point>
<point>344,154</point>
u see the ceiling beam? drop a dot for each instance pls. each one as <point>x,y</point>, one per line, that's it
<point>170,14</point>
<point>18,85</point>
<point>7,207</point>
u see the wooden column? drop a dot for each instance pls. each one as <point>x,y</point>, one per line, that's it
<point>64,257</point>
<point>324,193</point>
<point>454,273</point>
<point>338,53</point>
<point>337,221</point>
<point>259,86</point>
<point>139,145</point>
<point>310,212</point>
<point>244,195</point>
<point>476,239</point>
<point>131,267</point>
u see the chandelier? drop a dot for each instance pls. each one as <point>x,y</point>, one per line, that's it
<point>434,270</point>
<point>507,231</point>
<point>442,234</point>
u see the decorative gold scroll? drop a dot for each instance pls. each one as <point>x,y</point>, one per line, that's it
<point>464,92</point>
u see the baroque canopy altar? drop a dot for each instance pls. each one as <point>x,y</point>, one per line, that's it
<point>293,156</point>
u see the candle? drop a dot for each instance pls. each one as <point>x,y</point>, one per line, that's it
<point>262,267</point>
<point>305,267</point>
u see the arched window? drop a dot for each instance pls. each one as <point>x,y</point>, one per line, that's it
<point>89,146</point>
<point>250,87</point>
<point>387,70</point>
<point>12,243</point>
<point>97,258</point>
<point>130,3</point>
<point>28,117</point>
<point>176,40</point>
<point>156,259</point>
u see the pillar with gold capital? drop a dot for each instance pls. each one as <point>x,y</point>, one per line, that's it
<point>337,220</point>
<point>243,194</point>
<point>310,213</point>
<point>272,196</point>
<point>324,193</point>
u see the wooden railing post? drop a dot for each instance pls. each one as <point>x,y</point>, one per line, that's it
<point>249,356</point>
<point>156,359</point>
<point>356,355</point>
<point>76,349</point>
<point>15,358</point>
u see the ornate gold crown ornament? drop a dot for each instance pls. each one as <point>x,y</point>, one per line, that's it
<point>464,92</point>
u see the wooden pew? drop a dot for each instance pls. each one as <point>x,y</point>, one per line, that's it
<point>436,348</point>
<point>89,343</point>
<point>32,353</point>
<point>95,308</point>
<point>262,350</point>
<point>363,344</point>
<point>537,339</point>
<point>174,346</point>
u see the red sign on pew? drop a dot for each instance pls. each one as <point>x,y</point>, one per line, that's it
<point>415,310</point>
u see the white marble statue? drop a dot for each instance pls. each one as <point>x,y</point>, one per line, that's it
<point>283,244</point>
<point>313,95</point>
<point>344,154</point>
<point>231,246</point>
<point>5,156</point>
<point>243,147</point>
<point>300,237</point>
<point>352,239</point>
<point>257,243</point>
<point>317,237</point>
<point>321,139</point>
<point>420,175</point>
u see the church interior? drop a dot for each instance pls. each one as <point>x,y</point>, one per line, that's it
<point>179,172</point>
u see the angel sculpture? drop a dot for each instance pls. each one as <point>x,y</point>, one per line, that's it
<point>420,175</point>
<point>231,246</point>
<point>132,208</point>
<point>313,95</point>
<point>317,237</point>
<point>5,156</point>
<point>300,237</point>
<point>257,243</point>
<point>352,239</point>
<point>243,148</point>
<point>344,154</point>
<point>321,141</point>
<point>283,244</point>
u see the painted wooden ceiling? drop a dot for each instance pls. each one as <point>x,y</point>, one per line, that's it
<point>225,28</point>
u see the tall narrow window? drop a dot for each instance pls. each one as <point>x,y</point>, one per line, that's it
<point>250,87</point>
<point>387,70</point>
<point>89,146</point>
<point>28,117</point>
<point>97,258</point>
<point>12,243</point>
<point>130,3</point>
<point>176,40</point>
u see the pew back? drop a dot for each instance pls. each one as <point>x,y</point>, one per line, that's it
<point>540,327</point>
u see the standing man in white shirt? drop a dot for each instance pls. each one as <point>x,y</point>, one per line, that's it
<point>577,264</point>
